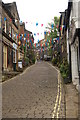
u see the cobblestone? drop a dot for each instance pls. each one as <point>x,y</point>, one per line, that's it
<point>32,94</point>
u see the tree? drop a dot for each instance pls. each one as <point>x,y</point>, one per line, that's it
<point>53,28</point>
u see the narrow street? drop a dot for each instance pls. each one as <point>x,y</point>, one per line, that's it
<point>36,93</point>
<point>40,59</point>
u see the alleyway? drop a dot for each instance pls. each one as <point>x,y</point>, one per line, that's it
<point>33,94</point>
<point>40,59</point>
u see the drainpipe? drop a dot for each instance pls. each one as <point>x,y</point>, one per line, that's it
<point>79,54</point>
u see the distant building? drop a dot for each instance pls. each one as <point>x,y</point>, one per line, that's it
<point>62,45</point>
<point>27,42</point>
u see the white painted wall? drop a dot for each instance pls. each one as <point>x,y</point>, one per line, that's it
<point>75,77</point>
<point>67,46</point>
<point>76,12</point>
<point>75,16</point>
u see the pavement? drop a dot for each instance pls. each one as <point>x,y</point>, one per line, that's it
<point>72,101</point>
<point>8,75</point>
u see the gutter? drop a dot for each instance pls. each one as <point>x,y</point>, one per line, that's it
<point>79,61</point>
<point>79,54</point>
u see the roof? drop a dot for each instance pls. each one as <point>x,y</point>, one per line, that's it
<point>9,9</point>
<point>66,15</point>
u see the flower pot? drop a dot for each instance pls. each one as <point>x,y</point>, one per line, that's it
<point>67,80</point>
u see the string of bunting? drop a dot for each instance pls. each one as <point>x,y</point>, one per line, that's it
<point>25,36</point>
<point>47,42</point>
<point>52,25</point>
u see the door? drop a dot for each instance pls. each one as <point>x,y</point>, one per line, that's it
<point>4,57</point>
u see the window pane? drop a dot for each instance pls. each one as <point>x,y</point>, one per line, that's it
<point>0,21</point>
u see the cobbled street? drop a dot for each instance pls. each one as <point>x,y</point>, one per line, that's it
<point>33,94</point>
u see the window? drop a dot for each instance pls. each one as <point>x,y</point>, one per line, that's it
<point>16,22</point>
<point>12,33</point>
<point>4,57</point>
<point>0,21</point>
<point>14,36</point>
<point>5,24</point>
<point>14,56</point>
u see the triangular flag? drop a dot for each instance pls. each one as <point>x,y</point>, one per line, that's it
<point>38,40</point>
<point>5,19</point>
<point>60,28</point>
<point>28,35</point>
<point>41,25</point>
<point>36,24</point>
<point>37,33</point>
<point>25,35</point>
<point>52,26</point>
<point>45,33</point>
<point>34,34</point>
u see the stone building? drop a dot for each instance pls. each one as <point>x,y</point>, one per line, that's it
<point>62,47</point>
<point>21,39</point>
<point>26,38</point>
<point>0,41</point>
<point>70,40</point>
<point>10,25</point>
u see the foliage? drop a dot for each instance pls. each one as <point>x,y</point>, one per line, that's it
<point>55,61</point>
<point>50,51</point>
<point>64,69</point>
<point>33,60</point>
<point>53,33</point>
<point>24,51</point>
<point>31,56</point>
<point>25,61</point>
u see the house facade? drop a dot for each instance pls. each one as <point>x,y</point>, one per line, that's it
<point>73,35</point>
<point>10,25</point>
<point>27,42</point>
<point>61,46</point>
<point>70,40</point>
<point>0,42</point>
<point>20,42</point>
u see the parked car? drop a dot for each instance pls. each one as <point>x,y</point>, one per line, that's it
<point>48,58</point>
<point>41,58</point>
<point>45,57</point>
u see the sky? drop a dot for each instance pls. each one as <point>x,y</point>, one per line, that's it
<point>38,11</point>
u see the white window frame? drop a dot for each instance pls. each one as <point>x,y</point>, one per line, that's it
<point>5,26</point>
<point>14,56</point>
<point>0,20</point>
<point>12,33</point>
